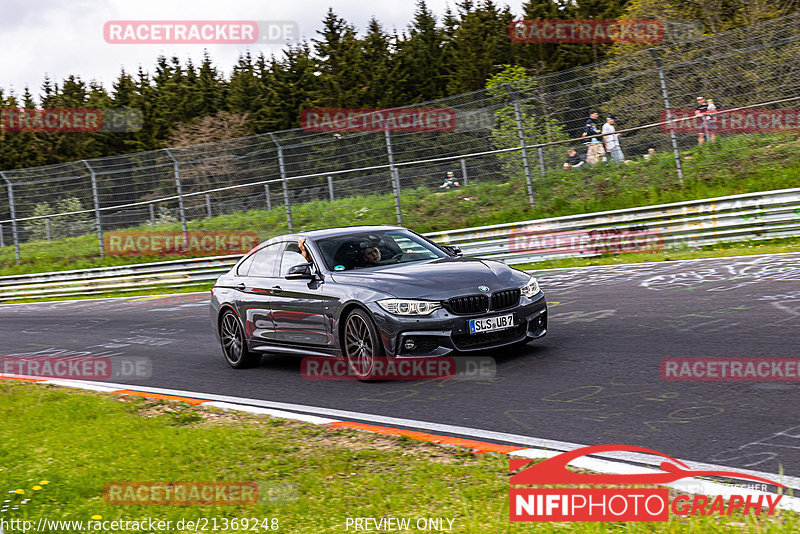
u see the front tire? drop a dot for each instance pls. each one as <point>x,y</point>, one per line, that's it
<point>361,344</point>
<point>234,345</point>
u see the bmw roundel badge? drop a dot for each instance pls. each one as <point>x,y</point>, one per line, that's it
<point>484,288</point>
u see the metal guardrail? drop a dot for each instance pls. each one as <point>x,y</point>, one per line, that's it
<point>751,216</point>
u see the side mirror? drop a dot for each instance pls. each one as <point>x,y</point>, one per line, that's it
<point>453,250</point>
<point>300,272</point>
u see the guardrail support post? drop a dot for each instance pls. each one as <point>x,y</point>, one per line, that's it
<point>330,187</point>
<point>98,219</point>
<point>665,94</point>
<point>464,171</point>
<point>522,145</point>
<point>208,206</point>
<point>268,197</point>
<point>14,233</point>
<point>47,229</point>
<point>179,189</point>
<point>282,167</point>
<point>2,239</point>
<point>395,177</point>
<point>541,161</point>
<point>152,214</point>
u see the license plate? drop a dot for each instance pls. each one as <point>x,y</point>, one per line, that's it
<point>490,324</point>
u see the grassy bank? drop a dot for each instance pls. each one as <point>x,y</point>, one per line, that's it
<point>69,444</point>
<point>729,167</point>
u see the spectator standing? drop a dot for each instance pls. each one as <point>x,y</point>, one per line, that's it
<point>611,140</point>
<point>700,111</point>
<point>711,121</point>
<point>591,131</point>
<point>574,159</point>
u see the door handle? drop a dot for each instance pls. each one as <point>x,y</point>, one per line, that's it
<point>240,286</point>
<point>276,289</point>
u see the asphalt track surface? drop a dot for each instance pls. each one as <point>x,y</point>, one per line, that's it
<point>593,379</point>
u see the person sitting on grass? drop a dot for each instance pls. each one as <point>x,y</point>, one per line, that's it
<point>574,159</point>
<point>450,181</point>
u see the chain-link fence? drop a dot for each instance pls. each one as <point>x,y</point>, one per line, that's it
<point>507,151</point>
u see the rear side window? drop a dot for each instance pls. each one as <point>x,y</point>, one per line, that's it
<point>244,267</point>
<point>264,261</point>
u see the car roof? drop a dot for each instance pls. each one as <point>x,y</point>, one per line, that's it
<point>326,232</point>
<point>345,230</point>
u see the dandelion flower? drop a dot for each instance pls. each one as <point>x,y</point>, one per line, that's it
<point>97,517</point>
<point>37,488</point>
<point>20,492</point>
<point>44,482</point>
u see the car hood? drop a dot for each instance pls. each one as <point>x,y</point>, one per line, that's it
<point>436,279</point>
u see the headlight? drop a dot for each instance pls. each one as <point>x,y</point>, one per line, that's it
<point>531,288</point>
<point>409,307</point>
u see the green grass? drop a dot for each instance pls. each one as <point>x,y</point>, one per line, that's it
<point>77,442</point>
<point>732,166</point>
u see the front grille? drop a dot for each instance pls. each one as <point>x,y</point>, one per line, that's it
<point>468,305</point>
<point>475,341</point>
<point>508,298</point>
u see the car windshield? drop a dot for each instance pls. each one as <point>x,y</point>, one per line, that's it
<point>372,249</point>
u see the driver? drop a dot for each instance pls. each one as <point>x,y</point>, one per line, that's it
<point>370,253</point>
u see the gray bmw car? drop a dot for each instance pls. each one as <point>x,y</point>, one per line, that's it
<point>365,292</point>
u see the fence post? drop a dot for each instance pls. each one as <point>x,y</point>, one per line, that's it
<point>676,153</point>
<point>2,239</point>
<point>523,146</point>
<point>330,187</point>
<point>282,167</point>
<point>97,217</point>
<point>268,197</point>
<point>47,229</point>
<point>464,171</point>
<point>179,189</point>
<point>152,214</point>
<point>208,206</point>
<point>14,234</point>
<point>541,161</point>
<point>395,177</point>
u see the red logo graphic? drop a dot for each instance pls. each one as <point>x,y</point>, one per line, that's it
<point>585,31</point>
<point>619,504</point>
<point>378,120</point>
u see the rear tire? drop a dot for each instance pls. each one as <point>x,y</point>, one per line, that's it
<point>361,344</point>
<point>234,345</point>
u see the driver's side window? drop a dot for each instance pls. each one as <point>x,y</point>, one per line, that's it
<point>291,257</point>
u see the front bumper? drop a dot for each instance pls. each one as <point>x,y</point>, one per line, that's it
<point>443,332</point>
